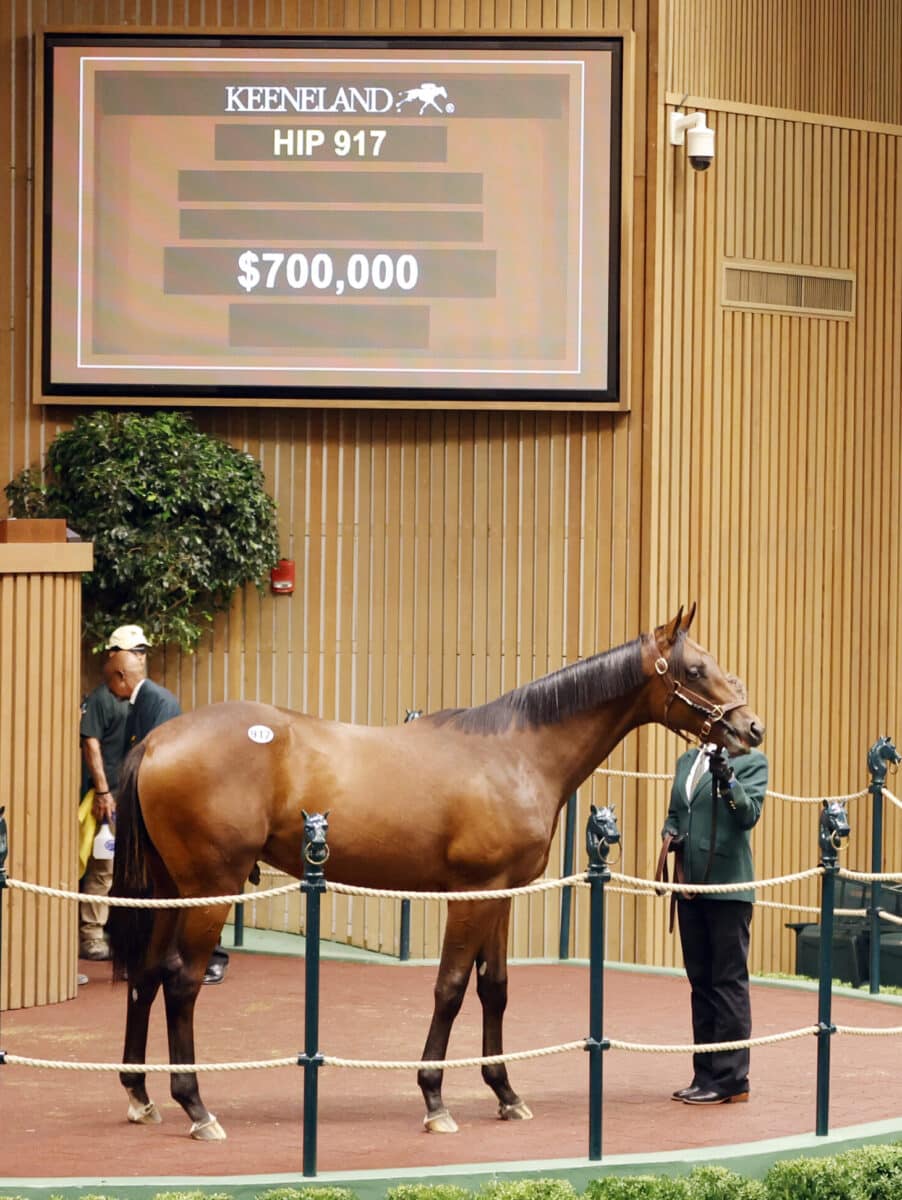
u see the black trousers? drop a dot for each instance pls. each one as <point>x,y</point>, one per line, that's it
<point>715,939</point>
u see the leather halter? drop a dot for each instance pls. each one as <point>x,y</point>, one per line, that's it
<point>713,714</point>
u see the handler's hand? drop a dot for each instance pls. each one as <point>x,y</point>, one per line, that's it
<point>719,766</point>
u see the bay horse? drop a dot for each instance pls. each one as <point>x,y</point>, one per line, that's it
<point>458,800</point>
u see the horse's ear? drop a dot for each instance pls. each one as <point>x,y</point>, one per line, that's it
<point>687,620</point>
<point>673,629</point>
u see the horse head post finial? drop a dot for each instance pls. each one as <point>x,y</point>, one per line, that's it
<point>601,834</point>
<point>316,849</point>
<point>882,752</point>
<point>833,829</point>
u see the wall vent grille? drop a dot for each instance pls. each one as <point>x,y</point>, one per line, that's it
<point>808,291</point>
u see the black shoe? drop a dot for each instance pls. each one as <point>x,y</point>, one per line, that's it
<point>214,973</point>
<point>700,1097</point>
<point>686,1092</point>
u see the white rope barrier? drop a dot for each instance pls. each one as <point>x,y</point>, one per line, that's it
<point>668,776</point>
<point>714,1047</point>
<point>631,884</point>
<point>544,885</point>
<point>892,799</point>
<point>129,902</point>
<point>718,888</point>
<point>18,1060</point>
<point>872,876</point>
<point>442,1064</point>
<point>863,1031</point>
<point>451,1064</point>
<point>817,799</point>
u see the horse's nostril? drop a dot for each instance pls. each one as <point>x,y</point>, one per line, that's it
<point>756,733</point>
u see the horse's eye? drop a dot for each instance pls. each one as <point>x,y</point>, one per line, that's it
<point>693,672</point>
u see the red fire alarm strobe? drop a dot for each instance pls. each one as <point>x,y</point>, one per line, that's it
<point>281,577</point>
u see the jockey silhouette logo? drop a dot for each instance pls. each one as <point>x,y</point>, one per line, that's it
<point>427,95</point>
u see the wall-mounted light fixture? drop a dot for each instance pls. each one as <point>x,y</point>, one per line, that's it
<point>691,130</point>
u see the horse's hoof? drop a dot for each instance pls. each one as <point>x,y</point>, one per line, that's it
<point>440,1122</point>
<point>144,1114</point>
<point>208,1131</point>
<point>514,1112</point>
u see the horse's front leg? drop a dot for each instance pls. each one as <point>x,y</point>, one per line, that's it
<point>458,954</point>
<point>197,935</point>
<point>491,986</point>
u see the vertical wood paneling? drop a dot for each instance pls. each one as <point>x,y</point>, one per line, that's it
<point>784,498</point>
<point>836,57</point>
<point>443,558</point>
<point>40,624</point>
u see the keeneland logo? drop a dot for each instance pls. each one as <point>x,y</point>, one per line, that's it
<point>320,98</point>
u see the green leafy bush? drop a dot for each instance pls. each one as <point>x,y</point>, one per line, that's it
<point>179,1196</point>
<point>527,1189</point>
<point>805,1179</point>
<point>179,520</point>
<point>717,1183</point>
<point>872,1172</point>
<point>637,1187</point>
<point>428,1191</point>
<point>305,1193</point>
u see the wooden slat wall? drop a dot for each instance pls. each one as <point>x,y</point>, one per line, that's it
<point>776,497</point>
<point>836,57</point>
<point>40,641</point>
<point>442,558</point>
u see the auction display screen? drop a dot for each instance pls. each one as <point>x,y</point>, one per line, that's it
<point>297,218</point>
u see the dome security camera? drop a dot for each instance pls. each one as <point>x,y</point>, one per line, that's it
<point>691,130</point>
<point>700,147</point>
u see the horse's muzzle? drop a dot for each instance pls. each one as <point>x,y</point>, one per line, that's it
<point>745,734</point>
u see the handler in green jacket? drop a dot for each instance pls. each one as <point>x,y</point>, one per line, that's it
<point>714,803</point>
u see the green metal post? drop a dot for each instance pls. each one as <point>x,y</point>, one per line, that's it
<point>404,932</point>
<point>882,752</point>
<point>567,892</point>
<point>404,928</point>
<point>833,827</point>
<point>313,885</point>
<point>824,1001</point>
<point>601,832</point>
<point>238,927</point>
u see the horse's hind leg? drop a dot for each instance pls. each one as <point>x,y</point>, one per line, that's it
<point>197,935</point>
<point>491,986</point>
<point>143,984</point>
<point>458,953</point>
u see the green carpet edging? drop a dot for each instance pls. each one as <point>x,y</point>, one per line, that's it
<point>750,1159</point>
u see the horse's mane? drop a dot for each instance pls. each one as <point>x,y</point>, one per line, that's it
<point>561,694</point>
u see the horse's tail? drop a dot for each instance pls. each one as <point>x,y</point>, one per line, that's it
<point>129,929</point>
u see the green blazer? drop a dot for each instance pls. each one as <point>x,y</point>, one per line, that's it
<point>731,860</point>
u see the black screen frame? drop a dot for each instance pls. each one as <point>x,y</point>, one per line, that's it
<point>52,391</point>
